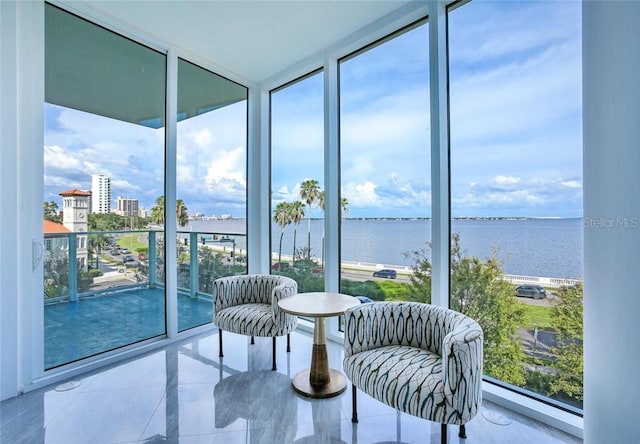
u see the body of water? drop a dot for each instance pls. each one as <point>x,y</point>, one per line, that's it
<point>535,247</point>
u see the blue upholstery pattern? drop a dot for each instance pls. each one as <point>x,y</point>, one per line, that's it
<point>421,359</point>
<point>248,305</point>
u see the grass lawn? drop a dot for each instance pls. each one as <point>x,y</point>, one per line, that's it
<point>537,315</point>
<point>131,242</point>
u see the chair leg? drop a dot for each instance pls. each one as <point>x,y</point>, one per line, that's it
<point>252,340</point>
<point>443,433</point>
<point>463,432</point>
<point>354,403</point>
<point>273,355</point>
<point>288,342</point>
<point>220,342</point>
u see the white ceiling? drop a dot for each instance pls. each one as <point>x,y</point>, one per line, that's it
<point>253,40</point>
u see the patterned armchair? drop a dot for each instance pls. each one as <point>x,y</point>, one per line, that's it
<point>421,359</point>
<point>248,305</point>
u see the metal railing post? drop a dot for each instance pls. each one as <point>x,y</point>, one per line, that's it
<point>153,260</point>
<point>73,267</point>
<point>193,265</point>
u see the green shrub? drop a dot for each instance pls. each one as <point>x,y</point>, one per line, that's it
<point>93,272</point>
<point>395,291</point>
<point>369,289</point>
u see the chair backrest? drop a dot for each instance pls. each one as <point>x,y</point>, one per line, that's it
<point>400,323</point>
<point>249,289</point>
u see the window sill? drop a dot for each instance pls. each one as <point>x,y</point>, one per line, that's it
<point>539,411</point>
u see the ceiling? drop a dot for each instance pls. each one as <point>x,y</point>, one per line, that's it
<point>251,40</point>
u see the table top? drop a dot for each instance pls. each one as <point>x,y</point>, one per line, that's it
<point>318,304</point>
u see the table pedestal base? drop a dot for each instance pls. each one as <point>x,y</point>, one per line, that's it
<point>336,385</point>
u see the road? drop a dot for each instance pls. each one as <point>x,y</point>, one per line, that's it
<point>361,276</point>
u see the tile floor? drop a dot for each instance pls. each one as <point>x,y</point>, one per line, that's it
<point>184,393</point>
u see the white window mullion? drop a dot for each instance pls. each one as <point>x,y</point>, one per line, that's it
<point>30,71</point>
<point>331,186</point>
<point>258,182</point>
<point>440,225</point>
<point>170,224</point>
<point>21,178</point>
<point>331,177</point>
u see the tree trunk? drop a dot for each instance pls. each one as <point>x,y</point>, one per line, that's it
<point>280,250</point>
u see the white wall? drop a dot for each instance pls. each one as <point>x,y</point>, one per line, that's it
<point>8,310</point>
<point>611,69</point>
<point>21,164</point>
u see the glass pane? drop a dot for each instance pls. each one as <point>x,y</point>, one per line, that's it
<point>211,188</point>
<point>385,169</point>
<point>104,137</point>
<point>516,189</point>
<point>297,178</point>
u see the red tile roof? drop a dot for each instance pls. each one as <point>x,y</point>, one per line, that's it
<point>75,192</point>
<point>53,227</point>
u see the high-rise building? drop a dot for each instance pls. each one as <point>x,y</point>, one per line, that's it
<point>127,207</point>
<point>100,194</point>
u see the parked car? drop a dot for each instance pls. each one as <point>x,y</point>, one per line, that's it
<point>127,258</point>
<point>385,273</point>
<point>531,291</point>
<point>114,252</point>
<point>125,251</point>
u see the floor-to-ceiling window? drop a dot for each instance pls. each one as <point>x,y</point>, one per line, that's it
<point>211,187</point>
<point>385,166</point>
<point>516,189</point>
<point>297,177</point>
<point>104,173</point>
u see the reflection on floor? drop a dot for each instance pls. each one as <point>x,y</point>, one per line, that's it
<point>184,393</point>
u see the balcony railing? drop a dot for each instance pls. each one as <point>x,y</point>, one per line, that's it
<point>80,265</point>
<point>105,290</point>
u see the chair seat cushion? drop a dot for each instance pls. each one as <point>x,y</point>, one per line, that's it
<point>406,378</point>
<point>250,320</point>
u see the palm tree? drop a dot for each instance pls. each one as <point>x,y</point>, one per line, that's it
<point>309,192</point>
<point>344,205</point>
<point>182,214</point>
<point>157,212</point>
<point>296,210</point>
<point>282,216</point>
<point>95,244</point>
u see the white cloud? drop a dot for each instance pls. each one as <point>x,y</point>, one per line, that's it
<point>506,181</point>
<point>361,194</point>
<point>571,184</point>
<point>201,138</point>
<point>517,196</point>
<point>57,157</point>
<point>228,165</point>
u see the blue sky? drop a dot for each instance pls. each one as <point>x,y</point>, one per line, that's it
<point>516,146</point>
